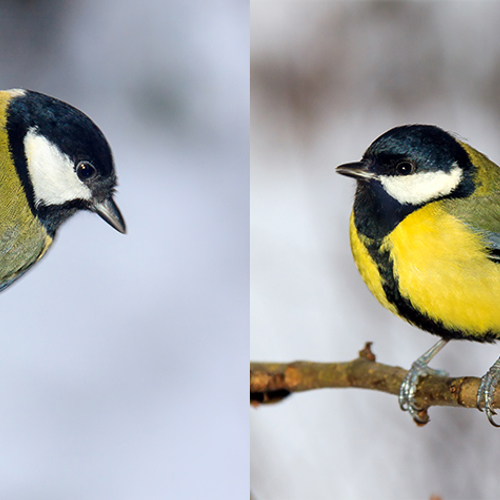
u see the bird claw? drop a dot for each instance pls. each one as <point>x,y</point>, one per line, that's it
<point>419,369</point>
<point>408,389</point>
<point>486,393</point>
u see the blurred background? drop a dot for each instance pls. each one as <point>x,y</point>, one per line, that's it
<point>115,351</point>
<point>327,79</point>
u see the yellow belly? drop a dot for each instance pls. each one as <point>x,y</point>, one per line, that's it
<point>442,268</point>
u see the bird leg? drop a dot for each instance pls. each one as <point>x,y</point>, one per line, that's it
<point>486,391</point>
<point>420,369</point>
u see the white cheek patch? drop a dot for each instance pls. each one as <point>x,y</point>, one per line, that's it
<point>52,172</point>
<point>421,187</point>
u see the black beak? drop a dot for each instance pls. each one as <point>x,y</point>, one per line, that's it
<point>358,170</point>
<point>108,211</point>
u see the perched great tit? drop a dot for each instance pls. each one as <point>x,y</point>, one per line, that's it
<point>53,161</point>
<point>425,236</point>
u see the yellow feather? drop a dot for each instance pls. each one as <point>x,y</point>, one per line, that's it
<point>443,269</point>
<point>366,266</point>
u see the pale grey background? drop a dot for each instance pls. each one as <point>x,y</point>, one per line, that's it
<point>327,79</point>
<point>123,358</point>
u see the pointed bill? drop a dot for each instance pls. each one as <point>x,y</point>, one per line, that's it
<point>358,170</point>
<point>108,211</point>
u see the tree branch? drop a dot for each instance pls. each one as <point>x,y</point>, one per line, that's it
<point>272,382</point>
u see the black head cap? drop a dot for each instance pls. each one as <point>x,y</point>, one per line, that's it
<point>430,147</point>
<point>51,121</point>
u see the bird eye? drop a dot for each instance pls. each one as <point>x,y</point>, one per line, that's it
<point>404,168</point>
<point>85,170</point>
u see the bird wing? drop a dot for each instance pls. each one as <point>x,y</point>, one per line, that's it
<point>482,215</point>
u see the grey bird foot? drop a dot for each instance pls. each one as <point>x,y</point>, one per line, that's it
<point>408,389</point>
<point>486,392</point>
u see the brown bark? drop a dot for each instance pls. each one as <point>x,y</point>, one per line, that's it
<point>272,382</point>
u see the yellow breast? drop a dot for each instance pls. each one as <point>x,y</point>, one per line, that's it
<point>367,266</point>
<point>441,266</point>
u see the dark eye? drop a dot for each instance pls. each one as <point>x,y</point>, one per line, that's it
<point>85,170</point>
<point>404,168</point>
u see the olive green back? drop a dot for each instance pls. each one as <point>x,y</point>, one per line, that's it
<point>23,238</point>
<point>481,210</point>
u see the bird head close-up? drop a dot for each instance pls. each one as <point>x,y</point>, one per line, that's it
<point>54,161</point>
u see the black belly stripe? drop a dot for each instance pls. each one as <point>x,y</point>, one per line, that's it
<point>404,306</point>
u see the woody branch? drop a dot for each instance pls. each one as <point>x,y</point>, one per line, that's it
<point>272,382</point>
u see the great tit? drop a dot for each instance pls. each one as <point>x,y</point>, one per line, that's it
<point>54,161</point>
<point>425,236</point>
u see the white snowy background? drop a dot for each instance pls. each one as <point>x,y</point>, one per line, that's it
<point>123,359</point>
<point>327,79</point>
